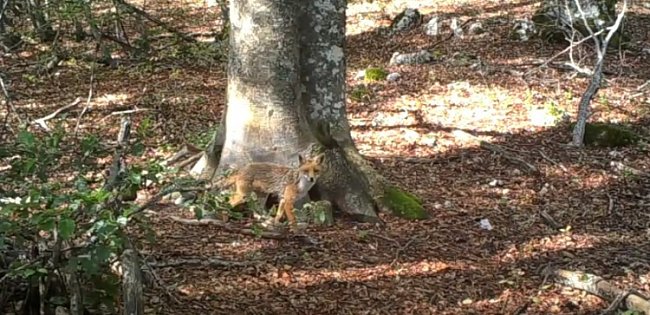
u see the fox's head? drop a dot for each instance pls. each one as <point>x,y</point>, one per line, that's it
<point>310,168</point>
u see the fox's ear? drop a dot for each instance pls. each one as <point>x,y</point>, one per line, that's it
<point>319,159</point>
<point>301,159</point>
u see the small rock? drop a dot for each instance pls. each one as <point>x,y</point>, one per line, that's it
<point>360,75</point>
<point>432,28</point>
<point>544,190</point>
<point>406,20</point>
<point>456,28</point>
<point>476,28</point>
<point>420,57</point>
<point>448,204</point>
<point>523,30</point>
<point>392,77</point>
<point>496,182</point>
<point>485,224</point>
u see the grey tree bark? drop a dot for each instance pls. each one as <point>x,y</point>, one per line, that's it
<point>286,95</point>
<point>594,85</point>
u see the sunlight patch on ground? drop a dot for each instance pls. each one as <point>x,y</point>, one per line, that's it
<point>110,99</point>
<point>539,246</point>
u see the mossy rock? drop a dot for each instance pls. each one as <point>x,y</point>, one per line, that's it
<point>608,135</point>
<point>404,204</point>
<point>375,74</point>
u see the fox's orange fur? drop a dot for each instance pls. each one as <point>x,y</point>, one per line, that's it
<point>290,184</point>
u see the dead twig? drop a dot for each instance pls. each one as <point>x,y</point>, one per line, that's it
<point>156,21</point>
<point>509,156</point>
<point>90,95</point>
<point>230,228</point>
<point>403,248</point>
<point>545,157</point>
<point>42,121</point>
<point>548,219</point>
<point>130,111</point>
<point>573,45</point>
<point>190,160</point>
<point>610,205</point>
<point>615,304</point>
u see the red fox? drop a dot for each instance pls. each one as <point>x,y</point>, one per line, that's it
<point>290,184</point>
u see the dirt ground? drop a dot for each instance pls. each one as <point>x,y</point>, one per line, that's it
<point>422,132</point>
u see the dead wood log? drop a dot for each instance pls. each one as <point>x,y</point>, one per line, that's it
<point>132,288</point>
<point>596,285</point>
<point>509,156</point>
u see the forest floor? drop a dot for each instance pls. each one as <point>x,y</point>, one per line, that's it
<point>422,132</point>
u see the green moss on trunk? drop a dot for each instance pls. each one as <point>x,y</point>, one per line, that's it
<point>404,204</point>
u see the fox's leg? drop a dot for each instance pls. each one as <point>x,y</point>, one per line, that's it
<point>289,199</point>
<point>280,213</point>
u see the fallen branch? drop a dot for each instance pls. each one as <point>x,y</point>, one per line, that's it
<point>596,285</point>
<point>403,248</point>
<point>509,156</point>
<point>548,219</point>
<point>230,228</point>
<point>42,121</point>
<point>90,96</point>
<point>190,160</point>
<point>545,157</point>
<point>156,21</point>
<point>206,262</point>
<point>130,111</point>
<point>573,45</point>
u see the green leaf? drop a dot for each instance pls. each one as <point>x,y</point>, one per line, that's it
<point>27,139</point>
<point>66,228</point>
<point>28,272</point>
<point>138,149</point>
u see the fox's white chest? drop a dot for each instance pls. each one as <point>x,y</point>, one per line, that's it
<point>304,185</point>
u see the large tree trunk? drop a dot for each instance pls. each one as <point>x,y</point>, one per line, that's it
<point>286,93</point>
<point>558,19</point>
